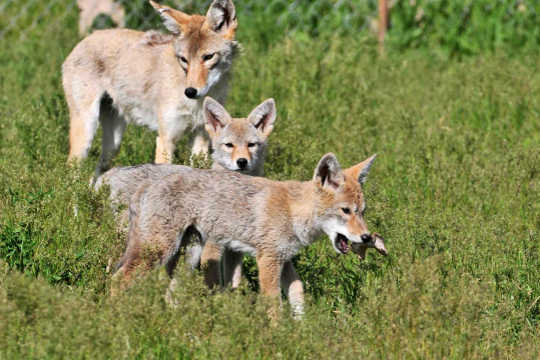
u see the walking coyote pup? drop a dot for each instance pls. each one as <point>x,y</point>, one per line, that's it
<point>122,76</point>
<point>271,220</point>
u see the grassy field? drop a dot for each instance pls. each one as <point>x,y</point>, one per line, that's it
<point>455,191</point>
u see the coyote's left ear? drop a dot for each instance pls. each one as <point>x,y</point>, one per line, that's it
<point>328,172</point>
<point>215,115</point>
<point>263,117</point>
<point>360,171</point>
<point>175,21</point>
<point>221,18</point>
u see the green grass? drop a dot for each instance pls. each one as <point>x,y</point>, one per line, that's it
<point>455,191</point>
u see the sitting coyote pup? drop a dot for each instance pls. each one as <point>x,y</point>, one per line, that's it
<point>271,220</point>
<point>238,144</point>
<point>122,76</point>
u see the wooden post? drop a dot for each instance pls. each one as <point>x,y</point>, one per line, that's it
<point>383,23</point>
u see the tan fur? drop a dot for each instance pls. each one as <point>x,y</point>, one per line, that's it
<point>269,219</point>
<point>246,139</point>
<point>121,76</point>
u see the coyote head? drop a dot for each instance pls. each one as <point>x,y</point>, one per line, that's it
<point>239,144</point>
<point>341,206</point>
<point>203,45</point>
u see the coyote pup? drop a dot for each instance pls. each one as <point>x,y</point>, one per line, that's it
<point>122,76</point>
<point>238,144</point>
<point>271,220</point>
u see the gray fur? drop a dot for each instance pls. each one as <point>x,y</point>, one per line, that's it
<point>124,182</point>
<point>269,219</point>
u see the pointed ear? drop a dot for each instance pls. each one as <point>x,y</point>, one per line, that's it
<point>175,21</point>
<point>215,116</point>
<point>328,172</point>
<point>221,18</point>
<point>263,116</point>
<point>360,171</point>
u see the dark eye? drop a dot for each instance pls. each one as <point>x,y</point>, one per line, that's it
<point>251,144</point>
<point>229,145</point>
<point>207,57</point>
<point>183,59</point>
<point>346,210</point>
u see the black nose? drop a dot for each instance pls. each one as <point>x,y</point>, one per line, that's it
<point>366,238</point>
<point>191,92</point>
<point>242,163</point>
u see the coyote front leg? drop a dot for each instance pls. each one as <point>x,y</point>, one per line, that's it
<point>270,267</point>
<point>164,150</point>
<point>291,283</point>
<point>169,131</point>
<point>201,143</point>
<point>210,258</point>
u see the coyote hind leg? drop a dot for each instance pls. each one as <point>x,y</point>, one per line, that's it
<point>141,256</point>
<point>84,115</point>
<point>232,268</point>
<point>113,126</point>
<point>190,237</point>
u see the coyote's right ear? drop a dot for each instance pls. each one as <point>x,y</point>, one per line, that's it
<point>328,172</point>
<point>221,18</point>
<point>361,171</point>
<point>263,116</point>
<point>215,115</point>
<point>173,20</point>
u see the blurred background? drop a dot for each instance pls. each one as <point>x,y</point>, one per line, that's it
<point>455,27</point>
<point>452,109</point>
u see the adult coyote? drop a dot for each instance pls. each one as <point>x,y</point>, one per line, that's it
<point>122,76</point>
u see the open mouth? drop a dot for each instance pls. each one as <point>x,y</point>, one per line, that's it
<point>341,243</point>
